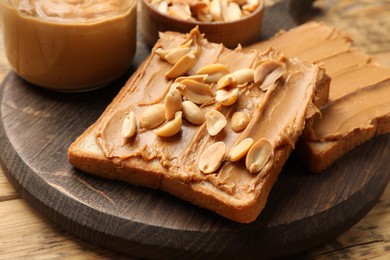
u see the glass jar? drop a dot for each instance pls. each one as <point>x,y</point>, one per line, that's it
<point>69,45</point>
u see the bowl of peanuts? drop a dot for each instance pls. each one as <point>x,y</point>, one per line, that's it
<point>230,22</point>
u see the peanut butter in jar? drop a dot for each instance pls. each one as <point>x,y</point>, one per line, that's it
<point>69,45</point>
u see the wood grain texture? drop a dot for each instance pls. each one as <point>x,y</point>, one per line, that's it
<point>368,239</point>
<point>303,210</point>
<point>33,236</point>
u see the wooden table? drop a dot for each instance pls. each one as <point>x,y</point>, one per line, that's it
<point>26,234</point>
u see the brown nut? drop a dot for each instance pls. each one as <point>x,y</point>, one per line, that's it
<point>215,122</point>
<point>161,6</point>
<point>227,97</point>
<point>231,11</point>
<point>196,92</point>
<point>176,54</point>
<point>267,73</point>
<point>193,113</point>
<point>153,116</point>
<point>239,121</point>
<point>129,126</point>
<point>214,71</point>
<point>212,157</point>
<point>250,6</point>
<point>199,78</point>
<point>216,10</point>
<point>227,81</point>
<point>182,66</point>
<point>180,10</point>
<point>170,128</point>
<point>172,103</point>
<point>245,75</point>
<point>240,150</point>
<point>258,155</point>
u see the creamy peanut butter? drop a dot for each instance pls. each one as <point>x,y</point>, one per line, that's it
<point>275,116</point>
<point>359,93</point>
<point>69,45</point>
<point>360,108</point>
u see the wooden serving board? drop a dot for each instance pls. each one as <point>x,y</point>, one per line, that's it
<point>303,210</point>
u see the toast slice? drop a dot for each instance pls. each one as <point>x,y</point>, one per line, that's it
<point>198,164</point>
<point>358,108</point>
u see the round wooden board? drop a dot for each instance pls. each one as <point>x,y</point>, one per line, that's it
<point>303,210</point>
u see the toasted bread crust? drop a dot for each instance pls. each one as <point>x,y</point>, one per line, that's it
<point>98,165</point>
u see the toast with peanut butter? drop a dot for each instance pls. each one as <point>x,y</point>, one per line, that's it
<point>358,108</point>
<point>209,125</point>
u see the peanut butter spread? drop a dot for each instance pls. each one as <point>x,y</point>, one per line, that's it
<point>71,11</point>
<point>360,89</point>
<point>69,45</point>
<point>276,111</point>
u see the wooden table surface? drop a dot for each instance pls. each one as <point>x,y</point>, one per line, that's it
<point>26,234</point>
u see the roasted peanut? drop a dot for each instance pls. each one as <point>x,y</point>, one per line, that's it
<point>193,113</point>
<point>176,54</point>
<point>227,97</point>
<point>129,126</point>
<point>231,11</point>
<point>227,81</point>
<point>196,92</point>
<point>212,157</point>
<point>267,73</point>
<point>173,103</point>
<point>239,121</point>
<point>244,75</point>
<point>170,128</point>
<point>214,71</point>
<point>206,10</point>
<point>258,155</point>
<point>240,150</point>
<point>153,116</point>
<point>215,122</point>
<point>182,66</point>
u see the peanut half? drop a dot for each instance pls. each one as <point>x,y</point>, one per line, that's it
<point>182,66</point>
<point>176,54</point>
<point>227,81</point>
<point>240,150</point>
<point>160,5</point>
<point>153,116</point>
<point>226,97</point>
<point>206,10</point>
<point>245,75</point>
<point>193,113</point>
<point>250,6</point>
<point>180,10</point>
<point>199,78</point>
<point>173,103</point>
<point>129,126</point>
<point>214,71</point>
<point>216,10</point>
<point>267,73</point>
<point>196,92</point>
<point>215,122</point>
<point>170,128</point>
<point>231,11</point>
<point>239,121</point>
<point>258,155</point>
<point>212,157</point>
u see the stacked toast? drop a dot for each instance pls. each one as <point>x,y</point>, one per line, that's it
<point>358,107</point>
